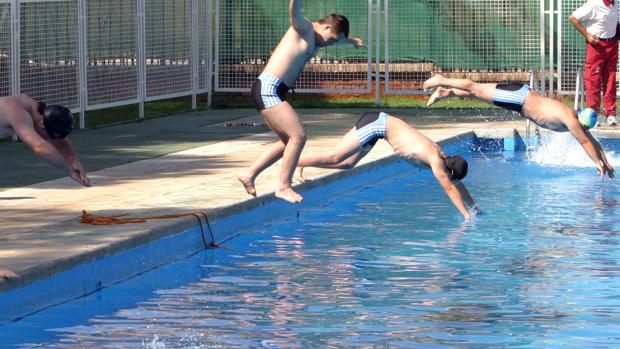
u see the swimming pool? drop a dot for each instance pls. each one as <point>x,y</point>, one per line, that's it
<point>392,265</point>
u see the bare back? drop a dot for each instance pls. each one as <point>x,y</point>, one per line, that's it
<point>291,55</point>
<point>14,109</point>
<point>409,143</point>
<point>548,113</point>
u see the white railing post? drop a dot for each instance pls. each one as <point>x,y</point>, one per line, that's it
<point>369,43</point>
<point>82,61</point>
<point>195,55</point>
<point>543,56</point>
<point>378,52</point>
<point>209,77</point>
<point>141,37</point>
<point>577,89</point>
<point>551,47</point>
<point>15,55</point>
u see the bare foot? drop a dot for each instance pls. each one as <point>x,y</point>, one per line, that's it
<point>248,184</point>
<point>299,175</point>
<point>289,195</point>
<point>7,274</point>
<point>439,94</point>
<point>433,82</point>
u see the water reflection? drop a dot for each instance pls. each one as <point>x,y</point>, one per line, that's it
<point>392,267</point>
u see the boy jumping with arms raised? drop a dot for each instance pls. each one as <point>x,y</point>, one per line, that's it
<point>298,45</point>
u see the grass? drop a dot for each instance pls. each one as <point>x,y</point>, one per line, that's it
<point>130,113</point>
<point>224,101</point>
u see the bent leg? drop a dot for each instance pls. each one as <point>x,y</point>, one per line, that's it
<point>344,155</point>
<point>347,147</point>
<point>268,158</point>
<point>285,122</point>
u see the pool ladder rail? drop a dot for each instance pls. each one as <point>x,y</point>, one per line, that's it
<point>529,145</point>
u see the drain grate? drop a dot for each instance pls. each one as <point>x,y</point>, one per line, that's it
<point>245,124</point>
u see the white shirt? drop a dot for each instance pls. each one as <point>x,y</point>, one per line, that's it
<point>599,19</point>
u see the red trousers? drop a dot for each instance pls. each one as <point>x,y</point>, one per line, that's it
<point>601,62</point>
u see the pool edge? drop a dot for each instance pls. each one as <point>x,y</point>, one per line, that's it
<point>23,295</point>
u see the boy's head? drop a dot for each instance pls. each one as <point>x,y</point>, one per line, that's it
<point>332,28</point>
<point>57,119</point>
<point>457,167</point>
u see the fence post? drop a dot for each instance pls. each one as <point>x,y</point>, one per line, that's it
<point>369,44</point>
<point>82,61</point>
<point>551,47</point>
<point>194,52</point>
<point>543,56</point>
<point>378,53</point>
<point>15,55</point>
<point>216,49</point>
<point>209,77</point>
<point>141,56</point>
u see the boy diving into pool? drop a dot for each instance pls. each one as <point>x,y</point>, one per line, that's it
<point>298,45</point>
<point>44,128</point>
<point>545,112</point>
<point>408,143</point>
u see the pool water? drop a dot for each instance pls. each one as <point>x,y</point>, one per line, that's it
<point>393,265</point>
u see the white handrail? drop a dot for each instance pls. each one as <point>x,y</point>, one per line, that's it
<point>579,89</point>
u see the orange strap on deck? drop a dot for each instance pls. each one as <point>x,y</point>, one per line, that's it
<point>88,218</point>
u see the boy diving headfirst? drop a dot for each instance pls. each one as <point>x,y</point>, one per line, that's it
<point>44,128</point>
<point>298,45</point>
<point>545,112</point>
<point>408,143</point>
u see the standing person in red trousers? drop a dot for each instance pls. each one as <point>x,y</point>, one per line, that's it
<point>597,21</point>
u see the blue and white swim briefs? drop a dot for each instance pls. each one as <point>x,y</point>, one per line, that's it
<point>370,127</point>
<point>510,96</point>
<point>268,91</point>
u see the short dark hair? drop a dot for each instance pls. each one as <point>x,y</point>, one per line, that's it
<point>340,23</point>
<point>457,167</point>
<point>57,119</point>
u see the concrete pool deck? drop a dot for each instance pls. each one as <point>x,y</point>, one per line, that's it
<point>40,233</point>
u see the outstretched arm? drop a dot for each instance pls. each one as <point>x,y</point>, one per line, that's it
<point>587,142</point>
<point>298,21</point>
<point>606,166</point>
<point>441,174</point>
<point>65,148</point>
<point>465,194</point>
<point>356,42</point>
<point>24,128</point>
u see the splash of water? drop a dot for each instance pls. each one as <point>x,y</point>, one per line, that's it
<point>155,344</point>
<point>562,149</point>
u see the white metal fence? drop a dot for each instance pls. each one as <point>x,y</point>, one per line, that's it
<point>489,38</point>
<point>94,54</point>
